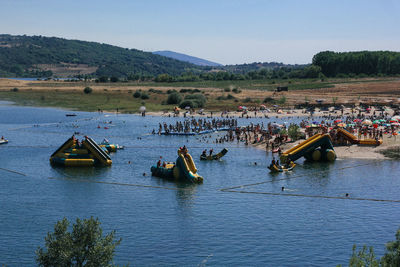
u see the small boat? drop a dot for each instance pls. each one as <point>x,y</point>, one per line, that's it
<point>214,157</point>
<point>70,115</point>
<point>3,141</point>
<point>275,168</point>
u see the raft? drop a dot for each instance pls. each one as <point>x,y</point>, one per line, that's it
<point>3,141</point>
<point>72,154</point>
<point>183,170</point>
<point>275,168</point>
<point>110,147</point>
<point>214,157</point>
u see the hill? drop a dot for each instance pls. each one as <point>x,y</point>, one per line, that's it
<point>38,56</point>
<point>187,58</point>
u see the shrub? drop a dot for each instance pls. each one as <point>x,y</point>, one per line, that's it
<point>114,79</point>
<point>137,94</point>
<point>229,96</point>
<point>269,100</point>
<point>187,103</point>
<point>144,96</point>
<point>294,132</point>
<point>198,99</point>
<point>247,100</point>
<point>171,91</point>
<point>15,89</point>
<point>174,98</point>
<point>87,90</point>
<point>282,100</point>
<point>236,91</point>
<point>184,91</point>
<point>227,89</point>
<point>152,90</point>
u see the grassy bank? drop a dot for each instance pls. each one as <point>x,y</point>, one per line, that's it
<point>124,102</point>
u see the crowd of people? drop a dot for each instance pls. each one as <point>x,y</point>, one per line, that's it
<point>194,125</point>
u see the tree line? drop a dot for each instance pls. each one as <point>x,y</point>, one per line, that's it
<point>364,63</point>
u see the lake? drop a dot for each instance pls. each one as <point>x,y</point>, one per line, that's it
<point>163,223</point>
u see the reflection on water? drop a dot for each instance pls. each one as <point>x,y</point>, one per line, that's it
<point>167,223</point>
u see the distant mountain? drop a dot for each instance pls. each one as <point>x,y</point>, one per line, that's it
<point>187,58</point>
<point>37,56</point>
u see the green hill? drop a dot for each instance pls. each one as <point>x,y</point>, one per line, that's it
<point>37,56</point>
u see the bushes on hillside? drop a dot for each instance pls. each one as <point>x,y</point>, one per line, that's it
<point>174,98</point>
<point>137,94</point>
<point>199,100</point>
<point>87,90</point>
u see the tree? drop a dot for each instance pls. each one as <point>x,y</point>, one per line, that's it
<point>87,90</point>
<point>137,94</point>
<point>294,131</point>
<point>174,98</point>
<point>84,246</point>
<point>114,79</point>
<point>363,258</point>
<point>366,257</point>
<point>392,255</point>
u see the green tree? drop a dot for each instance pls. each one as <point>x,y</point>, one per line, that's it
<point>392,255</point>
<point>87,90</point>
<point>282,100</point>
<point>294,131</point>
<point>174,98</point>
<point>137,94</point>
<point>85,245</point>
<point>363,258</point>
<point>114,79</point>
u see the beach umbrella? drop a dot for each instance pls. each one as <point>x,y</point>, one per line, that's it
<point>375,125</point>
<point>376,121</point>
<point>263,107</point>
<point>337,121</point>
<point>341,124</point>
<point>357,120</point>
<point>187,107</point>
<point>395,118</point>
<point>395,123</point>
<point>366,122</point>
<point>142,109</point>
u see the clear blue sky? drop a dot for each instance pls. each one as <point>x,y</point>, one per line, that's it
<point>224,31</point>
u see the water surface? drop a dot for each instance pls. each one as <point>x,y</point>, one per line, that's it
<point>172,224</point>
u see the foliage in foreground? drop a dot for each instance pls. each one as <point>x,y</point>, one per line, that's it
<point>84,246</point>
<point>366,256</point>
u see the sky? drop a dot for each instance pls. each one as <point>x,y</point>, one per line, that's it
<point>223,31</point>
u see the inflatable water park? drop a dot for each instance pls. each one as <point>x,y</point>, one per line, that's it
<point>217,156</point>
<point>81,154</point>
<point>316,148</point>
<point>352,139</point>
<point>184,169</point>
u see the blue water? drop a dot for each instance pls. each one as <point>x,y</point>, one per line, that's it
<point>173,224</point>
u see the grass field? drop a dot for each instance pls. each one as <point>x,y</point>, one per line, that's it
<point>220,95</point>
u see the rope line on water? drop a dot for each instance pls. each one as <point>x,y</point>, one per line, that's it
<point>20,173</point>
<point>115,183</point>
<point>311,196</point>
<point>288,178</point>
